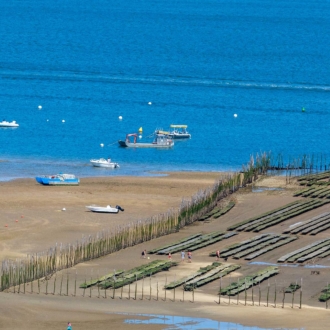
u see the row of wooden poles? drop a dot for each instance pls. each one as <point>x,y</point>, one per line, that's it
<point>273,295</point>
<point>39,265</point>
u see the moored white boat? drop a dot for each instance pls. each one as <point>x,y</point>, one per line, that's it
<point>107,209</point>
<point>104,163</point>
<point>5,123</point>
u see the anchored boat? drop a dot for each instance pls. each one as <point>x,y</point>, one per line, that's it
<point>177,132</point>
<point>160,141</point>
<point>5,123</point>
<point>58,180</point>
<point>104,163</point>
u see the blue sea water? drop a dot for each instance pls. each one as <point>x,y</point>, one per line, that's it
<point>197,62</point>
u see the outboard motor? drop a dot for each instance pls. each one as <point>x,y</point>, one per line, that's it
<point>119,208</point>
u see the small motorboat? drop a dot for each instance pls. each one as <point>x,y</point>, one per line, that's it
<point>5,123</point>
<point>58,180</point>
<point>104,163</point>
<point>160,141</point>
<point>107,209</point>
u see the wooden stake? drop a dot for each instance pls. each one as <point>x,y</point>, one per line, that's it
<point>267,293</point>
<point>301,282</point>
<point>157,291</point>
<point>135,286</point>
<point>61,285</point>
<point>275,295</point>
<point>54,289</point>
<point>67,284</point>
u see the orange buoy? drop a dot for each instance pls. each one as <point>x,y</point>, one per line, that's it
<point>6,225</point>
<point>22,216</point>
<point>16,220</point>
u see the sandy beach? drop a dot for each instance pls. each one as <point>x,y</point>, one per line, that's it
<point>33,220</point>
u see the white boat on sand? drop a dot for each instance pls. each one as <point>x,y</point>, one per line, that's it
<point>107,209</point>
<point>5,123</point>
<point>104,163</point>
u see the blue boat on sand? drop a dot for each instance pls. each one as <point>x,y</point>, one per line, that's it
<point>58,180</point>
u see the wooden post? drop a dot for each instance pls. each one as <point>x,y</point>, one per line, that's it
<point>259,293</point>
<point>157,291</point>
<point>301,282</point>
<point>142,287</point>
<point>67,284</point>
<point>84,287</point>
<point>245,291</point>
<point>46,285</point>
<point>121,292</point>
<point>38,287</point>
<point>283,297</point>
<point>54,289</point>
<point>75,284</point>
<point>165,286</point>
<point>129,291</point>
<point>114,288</point>
<point>135,286</point>
<point>252,296</point>
<point>90,288</point>
<point>237,293</point>
<point>267,293</point>
<point>61,285</point>
<point>31,287</point>
<point>150,287</point>
<point>220,291</point>
<point>293,295</point>
<point>275,295</point>
<point>326,302</point>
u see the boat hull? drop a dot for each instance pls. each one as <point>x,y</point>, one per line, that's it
<point>58,180</point>
<point>105,164</point>
<point>125,144</point>
<point>8,124</point>
<point>100,209</point>
<point>179,136</point>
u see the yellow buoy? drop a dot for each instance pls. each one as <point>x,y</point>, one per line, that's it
<point>140,129</point>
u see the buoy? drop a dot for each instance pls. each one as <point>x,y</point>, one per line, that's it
<point>140,136</point>
<point>47,119</point>
<point>120,117</point>
<point>149,103</point>
<point>63,121</point>
<point>303,109</point>
<point>140,130</point>
<point>64,209</point>
<point>22,216</point>
<point>39,107</point>
<point>101,145</point>
<point>16,220</point>
<point>235,115</point>
<point>6,225</point>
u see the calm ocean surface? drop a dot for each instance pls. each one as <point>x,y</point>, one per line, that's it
<point>198,62</point>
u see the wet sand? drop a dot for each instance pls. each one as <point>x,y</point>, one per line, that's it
<point>41,223</point>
